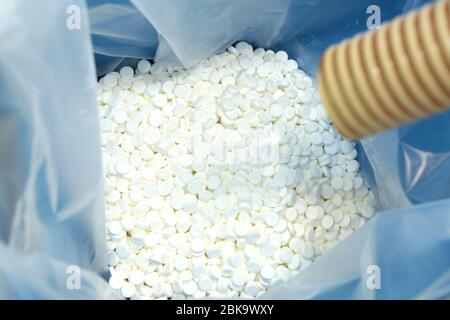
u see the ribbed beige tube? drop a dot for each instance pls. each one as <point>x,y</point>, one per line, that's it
<point>387,77</point>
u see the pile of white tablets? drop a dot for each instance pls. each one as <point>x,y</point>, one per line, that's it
<point>222,179</point>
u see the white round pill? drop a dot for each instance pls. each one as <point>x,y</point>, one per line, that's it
<point>137,87</point>
<point>286,255</point>
<point>156,118</point>
<point>213,182</point>
<point>153,88</point>
<point>291,65</point>
<point>205,284</point>
<point>128,222</point>
<point>312,213</point>
<point>110,80</point>
<point>345,222</point>
<point>136,277</point>
<point>316,138</point>
<point>116,282</point>
<point>128,290</point>
<point>164,188</point>
<point>190,287</point>
<point>143,66</point>
<point>181,263</point>
<point>267,272</point>
<point>276,110</point>
<point>271,219</point>
<point>346,146</point>
<point>328,138</point>
<point>265,69</point>
<point>291,214</point>
<point>252,289</point>
<point>120,116</point>
<point>327,222</point>
<point>122,167</point>
<point>327,191</point>
<point>122,251</point>
<point>126,72</point>
<point>168,86</point>
<point>115,227</point>
<point>367,211</point>
<point>237,259</point>
<point>194,186</point>
<point>181,91</point>
<point>222,202</point>
<point>241,229</point>
<point>197,246</point>
<point>281,56</point>
<point>337,182</point>
<point>159,100</point>
<point>254,266</point>
<point>243,126</point>
<point>280,180</point>
<point>239,278</point>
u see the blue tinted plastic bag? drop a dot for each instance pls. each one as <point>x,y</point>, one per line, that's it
<point>51,190</point>
<point>50,178</point>
<point>407,166</point>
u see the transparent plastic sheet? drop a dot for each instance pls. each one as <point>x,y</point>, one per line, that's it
<point>51,213</point>
<point>51,190</point>
<point>164,30</point>
<point>119,32</point>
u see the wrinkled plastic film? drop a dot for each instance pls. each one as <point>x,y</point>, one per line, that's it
<point>51,185</point>
<point>119,31</point>
<point>303,28</point>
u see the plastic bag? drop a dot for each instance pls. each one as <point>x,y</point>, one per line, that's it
<point>50,177</point>
<point>190,31</point>
<point>407,166</point>
<point>51,190</point>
